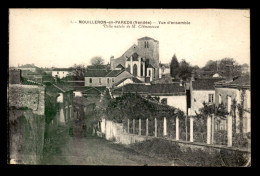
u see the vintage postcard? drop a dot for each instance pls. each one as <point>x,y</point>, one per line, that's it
<point>129,87</point>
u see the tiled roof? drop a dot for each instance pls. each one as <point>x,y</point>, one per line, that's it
<point>153,88</point>
<point>94,90</point>
<point>58,87</point>
<point>135,80</point>
<point>114,73</point>
<point>205,84</point>
<point>97,67</point>
<point>97,73</point>
<point>166,88</point>
<point>62,69</point>
<point>25,81</point>
<point>242,81</point>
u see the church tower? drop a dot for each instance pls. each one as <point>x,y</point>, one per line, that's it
<point>149,48</point>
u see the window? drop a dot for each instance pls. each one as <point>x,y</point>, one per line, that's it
<point>108,80</point>
<point>90,80</point>
<point>211,98</point>
<point>57,72</point>
<point>99,80</point>
<point>146,44</point>
<point>149,72</point>
<point>112,79</point>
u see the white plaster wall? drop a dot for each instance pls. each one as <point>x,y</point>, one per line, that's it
<point>77,93</point>
<point>60,98</point>
<point>197,99</point>
<point>177,101</point>
<point>60,74</point>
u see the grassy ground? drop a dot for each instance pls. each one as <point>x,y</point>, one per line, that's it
<point>159,148</point>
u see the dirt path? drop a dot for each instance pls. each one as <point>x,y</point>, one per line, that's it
<point>97,151</point>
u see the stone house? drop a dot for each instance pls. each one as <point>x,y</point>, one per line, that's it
<point>61,72</point>
<point>200,90</point>
<point>237,90</point>
<point>100,78</point>
<point>171,94</point>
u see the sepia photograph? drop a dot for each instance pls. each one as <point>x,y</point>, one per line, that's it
<point>129,87</point>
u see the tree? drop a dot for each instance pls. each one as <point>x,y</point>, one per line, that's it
<point>78,70</point>
<point>184,70</point>
<point>210,66</point>
<point>174,66</point>
<point>97,60</point>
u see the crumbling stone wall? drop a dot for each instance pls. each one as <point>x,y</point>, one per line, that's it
<point>26,123</point>
<point>26,136</point>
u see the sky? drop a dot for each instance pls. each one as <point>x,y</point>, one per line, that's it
<point>54,37</point>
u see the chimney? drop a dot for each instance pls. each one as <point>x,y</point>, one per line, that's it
<point>229,72</point>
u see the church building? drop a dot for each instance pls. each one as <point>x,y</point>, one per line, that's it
<point>141,60</point>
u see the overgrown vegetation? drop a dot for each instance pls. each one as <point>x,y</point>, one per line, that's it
<point>186,156</point>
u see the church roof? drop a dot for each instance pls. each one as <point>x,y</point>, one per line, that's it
<point>146,38</point>
<point>135,57</point>
<point>150,66</point>
<point>120,66</point>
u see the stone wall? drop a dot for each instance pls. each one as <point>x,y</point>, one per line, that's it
<point>29,96</point>
<point>26,136</point>
<point>14,76</point>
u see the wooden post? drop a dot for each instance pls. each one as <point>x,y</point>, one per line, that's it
<point>208,129</point>
<point>127,125</point>
<point>191,129</point>
<point>155,127</point>
<point>212,128</point>
<point>139,132</point>
<point>133,126</point>
<point>177,128</point>
<point>147,127</point>
<point>229,130</point>
<point>164,126</point>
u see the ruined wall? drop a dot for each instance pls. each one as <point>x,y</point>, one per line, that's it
<point>26,123</point>
<point>26,136</point>
<point>30,96</point>
<point>14,76</point>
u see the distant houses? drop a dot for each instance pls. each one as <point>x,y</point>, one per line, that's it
<point>61,72</point>
<point>106,78</point>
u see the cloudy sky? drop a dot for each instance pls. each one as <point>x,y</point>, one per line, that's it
<point>51,37</point>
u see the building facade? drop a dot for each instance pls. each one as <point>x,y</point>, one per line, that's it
<point>141,59</point>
